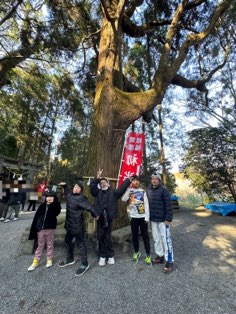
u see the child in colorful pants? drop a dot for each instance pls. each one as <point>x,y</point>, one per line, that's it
<point>43,228</point>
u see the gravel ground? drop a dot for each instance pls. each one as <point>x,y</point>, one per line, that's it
<point>203,281</point>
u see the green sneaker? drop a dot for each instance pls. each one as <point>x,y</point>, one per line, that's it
<point>148,260</point>
<point>136,257</point>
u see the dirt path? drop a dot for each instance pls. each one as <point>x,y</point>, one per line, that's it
<point>203,282</point>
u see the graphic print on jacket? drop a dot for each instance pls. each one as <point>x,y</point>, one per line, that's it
<point>137,203</point>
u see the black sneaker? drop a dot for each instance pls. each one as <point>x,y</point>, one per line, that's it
<point>82,270</point>
<point>169,267</point>
<point>66,263</point>
<point>158,260</point>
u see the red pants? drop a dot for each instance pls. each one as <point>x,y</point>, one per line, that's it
<point>45,236</point>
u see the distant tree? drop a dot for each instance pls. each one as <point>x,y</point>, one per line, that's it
<point>210,162</point>
<point>72,151</point>
<point>30,108</point>
<point>61,171</point>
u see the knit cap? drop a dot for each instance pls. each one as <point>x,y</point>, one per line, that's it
<point>157,175</point>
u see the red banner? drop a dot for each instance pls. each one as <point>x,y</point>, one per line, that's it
<point>132,156</point>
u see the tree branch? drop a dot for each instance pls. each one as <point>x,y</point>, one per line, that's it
<point>11,12</point>
<point>184,82</point>
<point>133,4</point>
<point>120,8</point>
<point>130,87</point>
<point>134,30</point>
<point>194,4</point>
<point>199,84</point>
<point>105,8</point>
<point>196,39</point>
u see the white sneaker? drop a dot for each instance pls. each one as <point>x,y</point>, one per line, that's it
<point>49,263</point>
<point>111,261</point>
<point>34,265</point>
<point>2,219</point>
<point>14,219</point>
<point>102,261</point>
<point>7,220</point>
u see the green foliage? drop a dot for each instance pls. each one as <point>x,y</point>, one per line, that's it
<point>8,145</point>
<point>62,172</point>
<point>210,162</point>
<point>50,39</point>
<point>73,152</point>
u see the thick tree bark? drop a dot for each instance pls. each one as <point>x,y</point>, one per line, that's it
<point>107,137</point>
<point>162,149</point>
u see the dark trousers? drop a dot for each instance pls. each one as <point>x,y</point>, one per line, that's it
<point>80,242</point>
<point>105,247</point>
<point>3,209</point>
<point>31,203</point>
<point>137,223</point>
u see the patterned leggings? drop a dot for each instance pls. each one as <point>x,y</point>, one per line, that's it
<point>45,236</point>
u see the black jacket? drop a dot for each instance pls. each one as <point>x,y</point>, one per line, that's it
<point>160,205</point>
<point>14,197</point>
<point>41,221</point>
<point>107,199</point>
<point>75,206</point>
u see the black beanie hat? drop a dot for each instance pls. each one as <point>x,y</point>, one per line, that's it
<point>50,193</point>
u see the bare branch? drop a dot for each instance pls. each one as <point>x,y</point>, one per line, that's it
<point>186,83</point>
<point>198,84</point>
<point>196,39</point>
<point>134,30</point>
<point>194,4</point>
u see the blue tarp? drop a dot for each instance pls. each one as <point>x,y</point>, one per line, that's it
<point>174,198</point>
<point>221,207</point>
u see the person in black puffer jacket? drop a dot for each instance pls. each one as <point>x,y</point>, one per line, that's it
<point>74,225</point>
<point>105,200</point>
<point>43,228</point>
<point>161,215</point>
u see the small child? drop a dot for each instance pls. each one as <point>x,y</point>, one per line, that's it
<point>43,227</point>
<point>138,210</point>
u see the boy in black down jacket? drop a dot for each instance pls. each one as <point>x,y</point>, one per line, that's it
<point>74,225</point>
<point>105,201</point>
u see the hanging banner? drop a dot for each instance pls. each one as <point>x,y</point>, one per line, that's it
<point>132,156</point>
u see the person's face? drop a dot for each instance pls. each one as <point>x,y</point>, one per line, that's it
<point>49,199</point>
<point>135,183</point>
<point>155,181</point>
<point>103,184</point>
<point>76,189</point>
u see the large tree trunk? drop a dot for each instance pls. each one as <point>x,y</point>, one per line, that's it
<point>107,136</point>
<point>114,109</point>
